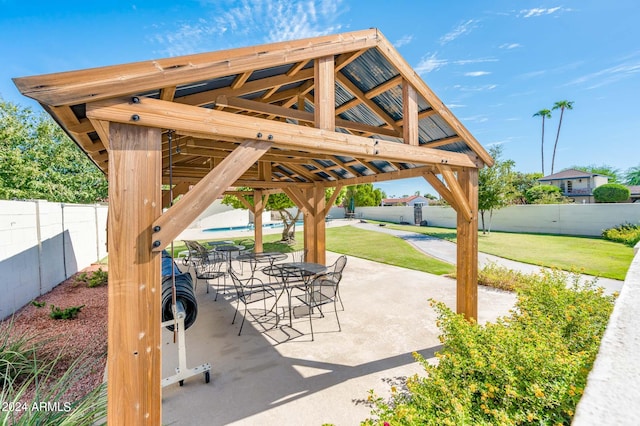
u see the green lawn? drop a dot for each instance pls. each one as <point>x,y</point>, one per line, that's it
<point>593,256</point>
<point>356,242</point>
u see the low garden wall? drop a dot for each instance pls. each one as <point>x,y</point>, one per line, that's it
<point>42,244</point>
<point>569,219</point>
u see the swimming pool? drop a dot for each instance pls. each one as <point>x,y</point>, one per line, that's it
<point>249,227</point>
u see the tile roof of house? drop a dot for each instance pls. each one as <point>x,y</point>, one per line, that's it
<point>634,189</point>
<point>569,174</point>
<point>400,200</point>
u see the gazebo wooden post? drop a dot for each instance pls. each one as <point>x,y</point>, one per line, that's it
<point>314,226</point>
<point>467,254</point>
<point>258,208</point>
<point>135,202</point>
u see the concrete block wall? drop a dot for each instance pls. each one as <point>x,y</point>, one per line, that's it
<point>569,219</point>
<point>42,244</point>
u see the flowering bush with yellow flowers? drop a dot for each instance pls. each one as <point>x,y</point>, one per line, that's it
<point>528,367</point>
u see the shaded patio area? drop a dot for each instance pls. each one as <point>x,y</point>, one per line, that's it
<point>256,380</point>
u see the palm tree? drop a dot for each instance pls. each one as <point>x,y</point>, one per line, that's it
<point>561,105</point>
<point>544,113</point>
<point>632,177</point>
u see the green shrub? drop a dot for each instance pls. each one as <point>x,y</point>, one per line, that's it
<point>38,304</point>
<point>544,194</point>
<point>95,279</point>
<point>626,233</point>
<point>529,367</point>
<point>67,313</point>
<point>611,193</point>
<point>500,277</point>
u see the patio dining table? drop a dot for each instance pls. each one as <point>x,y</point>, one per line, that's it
<point>263,257</point>
<point>290,271</point>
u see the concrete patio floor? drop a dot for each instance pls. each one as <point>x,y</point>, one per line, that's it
<point>265,378</point>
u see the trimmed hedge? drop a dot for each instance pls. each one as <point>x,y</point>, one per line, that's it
<point>611,193</point>
<point>529,367</point>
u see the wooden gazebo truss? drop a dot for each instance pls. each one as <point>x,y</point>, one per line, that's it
<point>295,116</point>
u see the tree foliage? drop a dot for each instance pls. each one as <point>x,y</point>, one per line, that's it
<point>363,195</point>
<point>611,172</point>
<point>39,161</point>
<point>520,184</point>
<point>494,183</point>
<point>545,194</point>
<point>281,203</point>
<point>611,193</point>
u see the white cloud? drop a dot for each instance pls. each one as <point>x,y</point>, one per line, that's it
<point>430,63</point>
<point>531,13</point>
<point>476,118</point>
<point>483,88</point>
<point>235,22</point>
<point>510,46</point>
<point>476,73</point>
<point>460,30</point>
<point>405,39</point>
<point>608,75</point>
<point>474,61</point>
<point>454,106</point>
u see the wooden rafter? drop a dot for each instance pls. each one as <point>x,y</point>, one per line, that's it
<point>461,202</point>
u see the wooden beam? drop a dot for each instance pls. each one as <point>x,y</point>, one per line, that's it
<point>441,189</point>
<point>245,202</point>
<point>460,198</point>
<point>380,177</point>
<point>368,102</point>
<point>298,196</point>
<point>443,141</point>
<point>346,58</point>
<point>241,79</point>
<point>410,114</point>
<point>77,87</point>
<point>467,249</point>
<point>392,55</point>
<point>332,200</point>
<point>204,98</point>
<point>134,356</point>
<point>194,202</point>
<point>102,129</point>
<point>297,114</point>
<point>185,118</point>
<point>324,94</point>
<point>297,67</point>
<point>381,88</point>
<point>258,208</point>
<point>167,93</point>
<point>178,189</point>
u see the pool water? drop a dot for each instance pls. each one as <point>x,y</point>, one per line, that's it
<point>249,227</point>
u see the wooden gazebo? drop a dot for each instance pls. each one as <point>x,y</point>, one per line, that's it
<point>295,116</point>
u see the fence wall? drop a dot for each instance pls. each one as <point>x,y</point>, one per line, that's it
<point>570,219</point>
<point>42,244</point>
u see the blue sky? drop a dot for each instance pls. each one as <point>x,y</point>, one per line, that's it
<point>493,63</point>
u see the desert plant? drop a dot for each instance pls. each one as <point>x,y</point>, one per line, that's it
<point>611,193</point>
<point>16,351</point>
<point>528,367</point>
<point>38,304</point>
<point>66,313</point>
<point>38,399</point>
<point>625,233</point>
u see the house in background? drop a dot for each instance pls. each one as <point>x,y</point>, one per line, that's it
<point>576,184</point>
<point>414,200</point>
<point>635,193</point>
